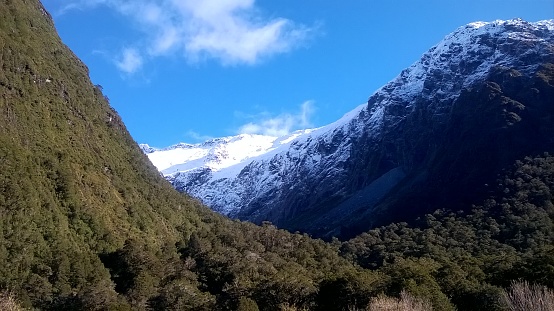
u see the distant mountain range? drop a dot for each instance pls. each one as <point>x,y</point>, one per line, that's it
<point>437,134</point>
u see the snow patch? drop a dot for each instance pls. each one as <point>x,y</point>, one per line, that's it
<point>236,171</point>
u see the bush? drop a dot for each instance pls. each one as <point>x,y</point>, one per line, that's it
<point>406,302</point>
<point>521,296</point>
<point>9,303</point>
<point>247,304</point>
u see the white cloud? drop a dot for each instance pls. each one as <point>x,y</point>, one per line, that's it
<point>232,32</point>
<point>282,124</point>
<point>229,31</point>
<point>130,61</point>
<point>79,5</point>
<point>197,136</point>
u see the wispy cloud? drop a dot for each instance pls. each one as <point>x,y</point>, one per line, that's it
<point>229,31</point>
<point>282,124</point>
<point>197,137</point>
<point>130,61</point>
<point>79,5</point>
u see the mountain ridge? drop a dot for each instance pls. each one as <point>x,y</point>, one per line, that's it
<point>278,188</point>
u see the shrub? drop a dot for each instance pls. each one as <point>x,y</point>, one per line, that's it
<point>9,303</point>
<point>522,296</point>
<point>406,302</point>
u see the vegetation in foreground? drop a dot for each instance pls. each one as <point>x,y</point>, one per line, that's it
<point>87,222</point>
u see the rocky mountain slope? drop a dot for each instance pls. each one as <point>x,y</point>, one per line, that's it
<point>442,129</point>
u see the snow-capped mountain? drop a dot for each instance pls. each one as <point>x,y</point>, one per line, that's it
<point>217,154</point>
<point>351,173</point>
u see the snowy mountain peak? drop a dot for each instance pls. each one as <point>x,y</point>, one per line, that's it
<point>214,154</point>
<point>356,160</point>
<point>461,59</point>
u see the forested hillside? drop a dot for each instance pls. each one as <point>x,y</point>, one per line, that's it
<point>471,256</point>
<point>87,223</point>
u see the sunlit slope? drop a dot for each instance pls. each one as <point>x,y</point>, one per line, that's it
<point>86,220</point>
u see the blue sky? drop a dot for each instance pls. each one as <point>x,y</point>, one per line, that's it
<point>189,70</point>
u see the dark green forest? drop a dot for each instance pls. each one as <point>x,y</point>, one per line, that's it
<point>87,222</point>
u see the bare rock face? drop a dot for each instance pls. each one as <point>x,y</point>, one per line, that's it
<point>434,137</point>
